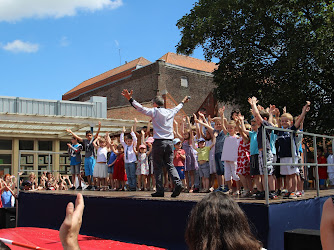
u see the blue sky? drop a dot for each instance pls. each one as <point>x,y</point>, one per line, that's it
<point>48,47</point>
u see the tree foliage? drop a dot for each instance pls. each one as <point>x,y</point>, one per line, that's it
<point>279,51</point>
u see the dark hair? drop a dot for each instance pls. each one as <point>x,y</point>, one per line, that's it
<point>217,222</point>
<point>89,132</point>
<point>235,111</point>
<point>264,114</point>
<point>26,183</point>
<point>202,109</point>
<point>47,183</point>
<point>128,137</point>
<point>158,100</point>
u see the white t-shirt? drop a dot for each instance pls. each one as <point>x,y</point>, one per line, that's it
<point>230,149</point>
<point>101,155</point>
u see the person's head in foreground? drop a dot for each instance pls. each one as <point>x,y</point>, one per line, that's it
<point>327,225</point>
<point>217,222</point>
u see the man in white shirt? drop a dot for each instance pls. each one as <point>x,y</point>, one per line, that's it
<point>162,121</point>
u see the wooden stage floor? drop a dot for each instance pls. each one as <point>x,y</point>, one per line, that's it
<point>192,197</point>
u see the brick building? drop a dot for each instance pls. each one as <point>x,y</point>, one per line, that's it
<point>173,76</point>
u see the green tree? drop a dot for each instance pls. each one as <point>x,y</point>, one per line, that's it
<point>279,51</point>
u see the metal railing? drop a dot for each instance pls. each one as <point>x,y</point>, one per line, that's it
<point>49,164</point>
<point>49,169</point>
<point>293,146</point>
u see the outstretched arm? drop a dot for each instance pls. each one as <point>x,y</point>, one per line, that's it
<point>74,135</point>
<point>242,124</point>
<point>177,133</point>
<point>253,101</point>
<point>134,138</point>
<point>221,113</point>
<point>95,143</point>
<point>136,105</point>
<point>243,131</point>
<point>98,131</point>
<point>301,118</point>
<point>271,113</point>
<point>135,127</point>
<point>203,124</point>
<point>199,131</point>
<point>213,141</point>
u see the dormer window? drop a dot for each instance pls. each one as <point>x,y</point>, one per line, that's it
<point>184,81</point>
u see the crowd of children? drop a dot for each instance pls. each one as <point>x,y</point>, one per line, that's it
<point>209,154</point>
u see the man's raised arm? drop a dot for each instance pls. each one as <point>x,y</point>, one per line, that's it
<point>137,105</point>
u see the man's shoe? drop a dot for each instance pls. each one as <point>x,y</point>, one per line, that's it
<point>79,188</point>
<point>89,188</point>
<point>177,191</point>
<point>158,194</point>
<point>72,188</point>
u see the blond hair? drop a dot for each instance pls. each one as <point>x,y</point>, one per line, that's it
<point>232,123</point>
<point>248,126</point>
<point>288,115</point>
<point>102,140</point>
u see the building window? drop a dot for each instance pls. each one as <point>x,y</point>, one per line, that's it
<point>26,145</point>
<point>63,145</point>
<point>5,144</point>
<point>5,164</point>
<point>184,81</point>
<point>45,145</point>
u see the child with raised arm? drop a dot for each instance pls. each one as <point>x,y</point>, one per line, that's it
<point>243,162</point>
<point>209,140</point>
<point>190,164</point>
<point>220,139</point>
<point>230,154</point>
<point>142,170</point>
<point>179,159</point>
<point>130,157</point>
<point>119,169</point>
<point>7,192</point>
<point>101,167</point>
<point>74,150</point>
<point>111,168</point>
<point>285,151</point>
<point>261,117</point>
<point>150,177</point>
<point>203,154</point>
<point>89,153</point>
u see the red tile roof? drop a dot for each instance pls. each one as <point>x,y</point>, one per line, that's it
<point>189,62</point>
<point>111,75</point>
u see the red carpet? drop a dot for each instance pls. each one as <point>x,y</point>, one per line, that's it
<point>49,239</point>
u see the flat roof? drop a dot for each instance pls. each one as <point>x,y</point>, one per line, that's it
<point>54,127</point>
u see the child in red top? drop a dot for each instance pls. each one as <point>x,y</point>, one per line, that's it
<point>119,169</point>
<point>322,170</point>
<point>179,159</point>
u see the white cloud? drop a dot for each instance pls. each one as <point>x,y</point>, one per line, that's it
<point>117,43</point>
<point>14,10</point>
<point>64,42</point>
<point>19,46</point>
